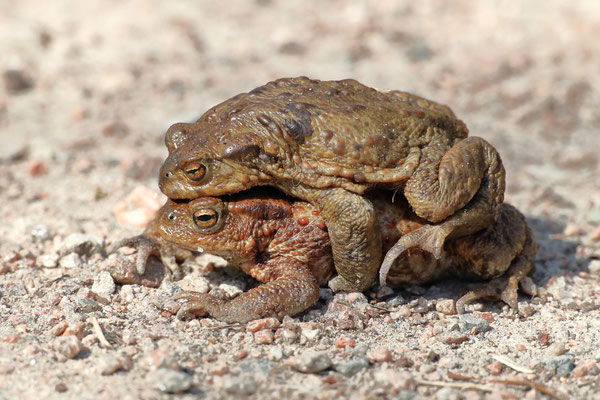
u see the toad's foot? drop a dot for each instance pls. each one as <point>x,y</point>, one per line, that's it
<point>429,238</point>
<point>355,238</point>
<point>287,295</point>
<point>505,288</point>
<point>147,247</point>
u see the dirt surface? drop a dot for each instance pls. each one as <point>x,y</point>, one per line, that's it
<point>88,91</point>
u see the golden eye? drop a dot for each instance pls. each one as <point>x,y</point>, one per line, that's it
<point>195,171</point>
<point>206,218</point>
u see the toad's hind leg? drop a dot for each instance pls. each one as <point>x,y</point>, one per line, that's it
<point>354,236</point>
<point>290,293</point>
<point>463,193</point>
<point>505,288</point>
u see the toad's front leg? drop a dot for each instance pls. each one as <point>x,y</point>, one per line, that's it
<point>355,238</point>
<point>147,245</point>
<point>460,191</point>
<point>291,291</point>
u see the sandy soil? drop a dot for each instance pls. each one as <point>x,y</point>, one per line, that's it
<point>89,89</point>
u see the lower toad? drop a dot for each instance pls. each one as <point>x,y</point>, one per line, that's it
<point>286,246</point>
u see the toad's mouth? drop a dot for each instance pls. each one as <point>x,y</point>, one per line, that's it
<point>258,192</point>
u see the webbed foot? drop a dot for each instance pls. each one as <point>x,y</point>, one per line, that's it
<point>196,304</point>
<point>430,238</point>
<point>506,287</point>
<point>503,289</point>
<point>147,247</point>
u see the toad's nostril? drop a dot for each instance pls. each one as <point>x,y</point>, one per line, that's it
<point>168,174</point>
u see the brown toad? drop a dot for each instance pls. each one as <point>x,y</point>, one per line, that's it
<point>287,246</point>
<point>329,142</point>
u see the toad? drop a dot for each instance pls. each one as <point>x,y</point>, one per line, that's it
<point>286,245</point>
<point>329,143</point>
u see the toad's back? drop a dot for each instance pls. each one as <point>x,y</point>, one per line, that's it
<point>318,131</point>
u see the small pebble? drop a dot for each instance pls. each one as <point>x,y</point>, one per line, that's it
<point>447,307</point>
<point>526,310</point>
<point>572,230</point>
<point>104,285</point>
<point>75,328</point>
<point>310,362</point>
<point>70,261</point>
<point>343,342</point>
<point>427,368</point>
<point>264,323</point>
<point>355,298</point>
<point>263,337</point>
<point>487,316</point>
<point>240,355</point>
<point>240,385</point>
<point>352,366</point>
<point>470,324</point>
<point>36,168</point>
<point>395,301</point>
<point>48,260</point>
<point>560,365</point>
<point>111,363</point>
<point>380,354</point>
<point>86,305</point>
<point>310,332</point>
<point>543,338</point>
<point>455,338</point>
<point>67,347</point>
<point>169,381</point>
<point>16,81</point>
<point>82,244</point>
<point>360,350</point>
<point>254,366</point>
<point>13,152</point>
<point>275,354</point>
<point>594,267</point>
<point>288,335</point>
<point>419,305</point>
<point>232,288</point>
<point>39,232</point>
<point>580,371</point>
<point>58,329</point>
<point>402,312</point>
<point>555,349</point>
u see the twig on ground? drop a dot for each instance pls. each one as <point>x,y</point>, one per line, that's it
<point>511,364</point>
<point>100,334</point>
<point>459,385</point>
<point>514,382</point>
<point>532,384</point>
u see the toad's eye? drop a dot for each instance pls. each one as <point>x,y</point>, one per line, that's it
<point>206,218</point>
<point>195,171</point>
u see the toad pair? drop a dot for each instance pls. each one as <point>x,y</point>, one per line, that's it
<point>345,149</point>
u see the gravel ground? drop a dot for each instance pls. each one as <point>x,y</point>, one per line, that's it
<point>89,89</point>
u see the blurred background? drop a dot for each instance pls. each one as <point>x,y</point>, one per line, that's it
<point>90,87</point>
